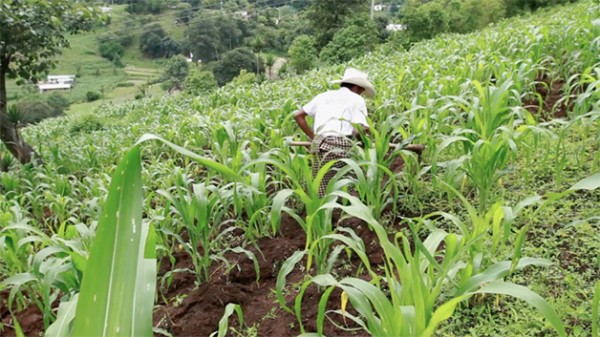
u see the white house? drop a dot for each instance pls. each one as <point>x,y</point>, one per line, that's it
<point>53,86</point>
<point>395,27</point>
<point>57,82</point>
<point>65,79</point>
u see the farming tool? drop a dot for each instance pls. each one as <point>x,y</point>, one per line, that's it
<point>417,148</point>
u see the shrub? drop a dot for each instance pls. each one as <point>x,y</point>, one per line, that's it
<point>92,96</point>
<point>58,103</point>
<point>199,82</point>
<point>86,123</point>
<point>125,84</point>
<point>32,111</point>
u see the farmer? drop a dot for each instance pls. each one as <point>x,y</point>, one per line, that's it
<point>335,114</point>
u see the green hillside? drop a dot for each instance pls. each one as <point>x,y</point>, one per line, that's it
<point>492,231</point>
<point>96,73</point>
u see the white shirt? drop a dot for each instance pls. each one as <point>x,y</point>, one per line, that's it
<point>335,111</point>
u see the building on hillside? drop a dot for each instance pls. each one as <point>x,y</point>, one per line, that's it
<point>65,79</point>
<point>53,86</point>
<point>244,15</point>
<point>57,82</point>
<point>395,27</point>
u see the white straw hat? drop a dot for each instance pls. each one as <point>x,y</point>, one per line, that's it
<point>357,77</point>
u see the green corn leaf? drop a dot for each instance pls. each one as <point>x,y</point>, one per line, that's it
<point>278,204</point>
<point>224,321</point>
<point>523,293</point>
<point>117,291</point>
<point>286,268</point>
<point>64,319</point>
<point>322,308</point>
<point>500,269</point>
<point>595,311</point>
<point>590,183</point>
<point>441,314</point>
<point>17,327</point>
<point>16,281</point>
<point>211,164</point>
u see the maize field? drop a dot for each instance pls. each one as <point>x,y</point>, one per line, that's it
<point>193,216</point>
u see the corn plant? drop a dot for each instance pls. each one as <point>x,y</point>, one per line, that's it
<point>55,268</point>
<point>318,220</point>
<point>416,281</point>
<point>202,213</point>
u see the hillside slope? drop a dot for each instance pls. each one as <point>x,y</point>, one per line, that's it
<point>95,73</point>
<point>506,113</point>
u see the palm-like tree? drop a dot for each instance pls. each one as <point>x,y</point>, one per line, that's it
<point>257,44</point>
<point>269,62</point>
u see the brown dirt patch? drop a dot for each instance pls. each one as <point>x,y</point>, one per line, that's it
<point>547,100</point>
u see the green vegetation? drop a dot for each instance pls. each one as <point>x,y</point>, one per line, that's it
<point>493,231</point>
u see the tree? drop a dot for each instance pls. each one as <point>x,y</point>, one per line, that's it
<point>303,53</point>
<point>155,43</point>
<point>176,71</point>
<point>111,50</point>
<point>425,21</point>
<point>232,62</point>
<point>269,63</point>
<point>356,39</point>
<point>210,36</point>
<point>257,45</point>
<point>32,33</point>
<point>328,16</point>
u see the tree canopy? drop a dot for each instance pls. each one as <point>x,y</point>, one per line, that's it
<point>328,16</point>
<point>210,36</point>
<point>232,62</point>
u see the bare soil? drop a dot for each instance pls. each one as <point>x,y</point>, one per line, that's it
<point>185,309</point>
<point>549,96</point>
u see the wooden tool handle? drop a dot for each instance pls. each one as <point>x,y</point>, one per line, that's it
<point>300,143</point>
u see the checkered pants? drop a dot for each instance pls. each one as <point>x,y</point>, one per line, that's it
<point>326,149</point>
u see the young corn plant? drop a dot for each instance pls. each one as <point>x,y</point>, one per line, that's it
<point>54,266</point>
<point>374,182</point>
<point>318,220</point>
<point>416,281</point>
<point>202,213</point>
<point>117,294</point>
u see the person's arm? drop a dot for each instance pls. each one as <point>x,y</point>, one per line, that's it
<point>300,118</point>
<point>359,120</point>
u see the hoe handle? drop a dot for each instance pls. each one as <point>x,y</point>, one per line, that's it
<point>418,148</point>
